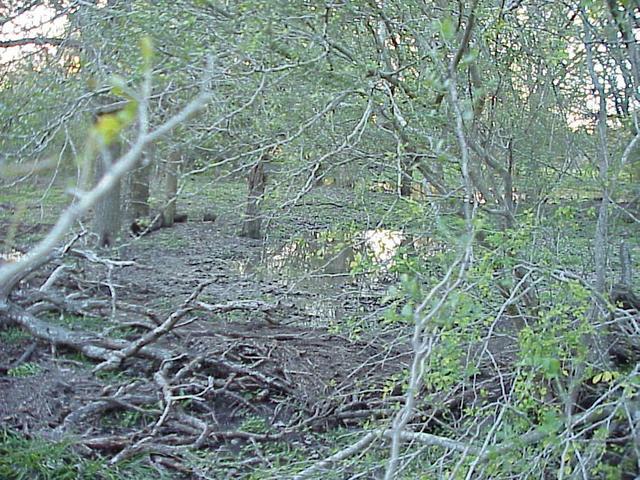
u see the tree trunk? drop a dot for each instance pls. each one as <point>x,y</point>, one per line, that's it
<point>406,175</point>
<point>252,222</point>
<point>107,216</point>
<point>602,225</point>
<point>171,189</point>
<point>139,194</point>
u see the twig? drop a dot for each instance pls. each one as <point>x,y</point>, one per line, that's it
<point>116,358</point>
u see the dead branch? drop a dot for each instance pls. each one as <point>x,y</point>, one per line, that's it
<point>278,383</point>
<point>116,358</point>
<point>125,402</point>
<point>245,305</point>
<point>90,345</point>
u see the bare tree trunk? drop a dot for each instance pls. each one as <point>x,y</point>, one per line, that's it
<point>406,179</point>
<point>626,275</point>
<point>108,216</point>
<point>257,181</point>
<point>509,206</point>
<point>171,189</point>
<point>601,236</point>
<point>139,193</point>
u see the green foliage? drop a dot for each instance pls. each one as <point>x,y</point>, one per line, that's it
<point>27,369</point>
<point>13,335</point>
<point>35,459</point>
<point>351,326</point>
<point>109,126</point>
<point>254,424</point>
<point>526,108</point>
<point>447,28</point>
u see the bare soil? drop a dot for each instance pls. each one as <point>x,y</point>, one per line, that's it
<point>276,361</point>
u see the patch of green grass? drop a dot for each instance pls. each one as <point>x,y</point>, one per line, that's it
<point>254,424</point>
<point>217,196</point>
<point>128,419</point>
<point>224,192</point>
<point>13,335</point>
<point>28,369</point>
<point>86,322</point>
<point>165,238</point>
<point>112,376</point>
<point>37,459</point>
<point>33,203</point>
<point>78,357</point>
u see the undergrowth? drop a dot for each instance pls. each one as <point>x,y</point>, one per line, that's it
<point>24,458</point>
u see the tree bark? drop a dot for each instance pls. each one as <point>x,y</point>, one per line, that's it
<point>139,193</point>
<point>171,189</point>
<point>601,236</point>
<point>108,215</point>
<point>257,181</point>
<point>406,175</point>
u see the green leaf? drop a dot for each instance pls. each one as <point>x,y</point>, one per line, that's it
<point>146,48</point>
<point>469,57</point>
<point>551,366</point>
<point>447,28</point>
<point>128,114</point>
<point>551,422</point>
<point>108,127</point>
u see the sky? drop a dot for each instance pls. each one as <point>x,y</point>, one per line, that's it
<point>37,22</point>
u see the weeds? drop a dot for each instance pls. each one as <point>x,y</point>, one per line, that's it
<point>28,369</point>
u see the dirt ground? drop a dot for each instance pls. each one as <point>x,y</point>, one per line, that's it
<point>256,345</point>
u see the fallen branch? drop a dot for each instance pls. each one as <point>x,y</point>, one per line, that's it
<point>90,345</point>
<point>26,355</point>
<point>116,358</point>
<point>277,383</point>
<point>424,439</point>
<point>343,454</point>
<point>127,402</point>
<point>247,305</point>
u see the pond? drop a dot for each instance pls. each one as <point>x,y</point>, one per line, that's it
<point>341,275</point>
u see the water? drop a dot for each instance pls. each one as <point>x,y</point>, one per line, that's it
<point>327,273</point>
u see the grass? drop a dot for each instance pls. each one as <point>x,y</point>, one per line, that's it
<point>32,204</point>
<point>166,238</point>
<point>24,458</point>
<point>13,336</point>
<point>28,369</point>
<point>87,323</point>
<point>128,419</point>
<point>225,197</point>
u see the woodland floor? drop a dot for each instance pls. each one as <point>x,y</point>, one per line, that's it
<point>274,354</point>
<point>262,356</point>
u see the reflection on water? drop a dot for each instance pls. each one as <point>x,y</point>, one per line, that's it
<point>329,253</point>
<point>322,265</point>
<point>323,254</point>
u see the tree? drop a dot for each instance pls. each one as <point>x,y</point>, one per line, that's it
<point>257,181</point>
<point>172,167</point>
<point>139,181</point>
<point>491,142</point>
